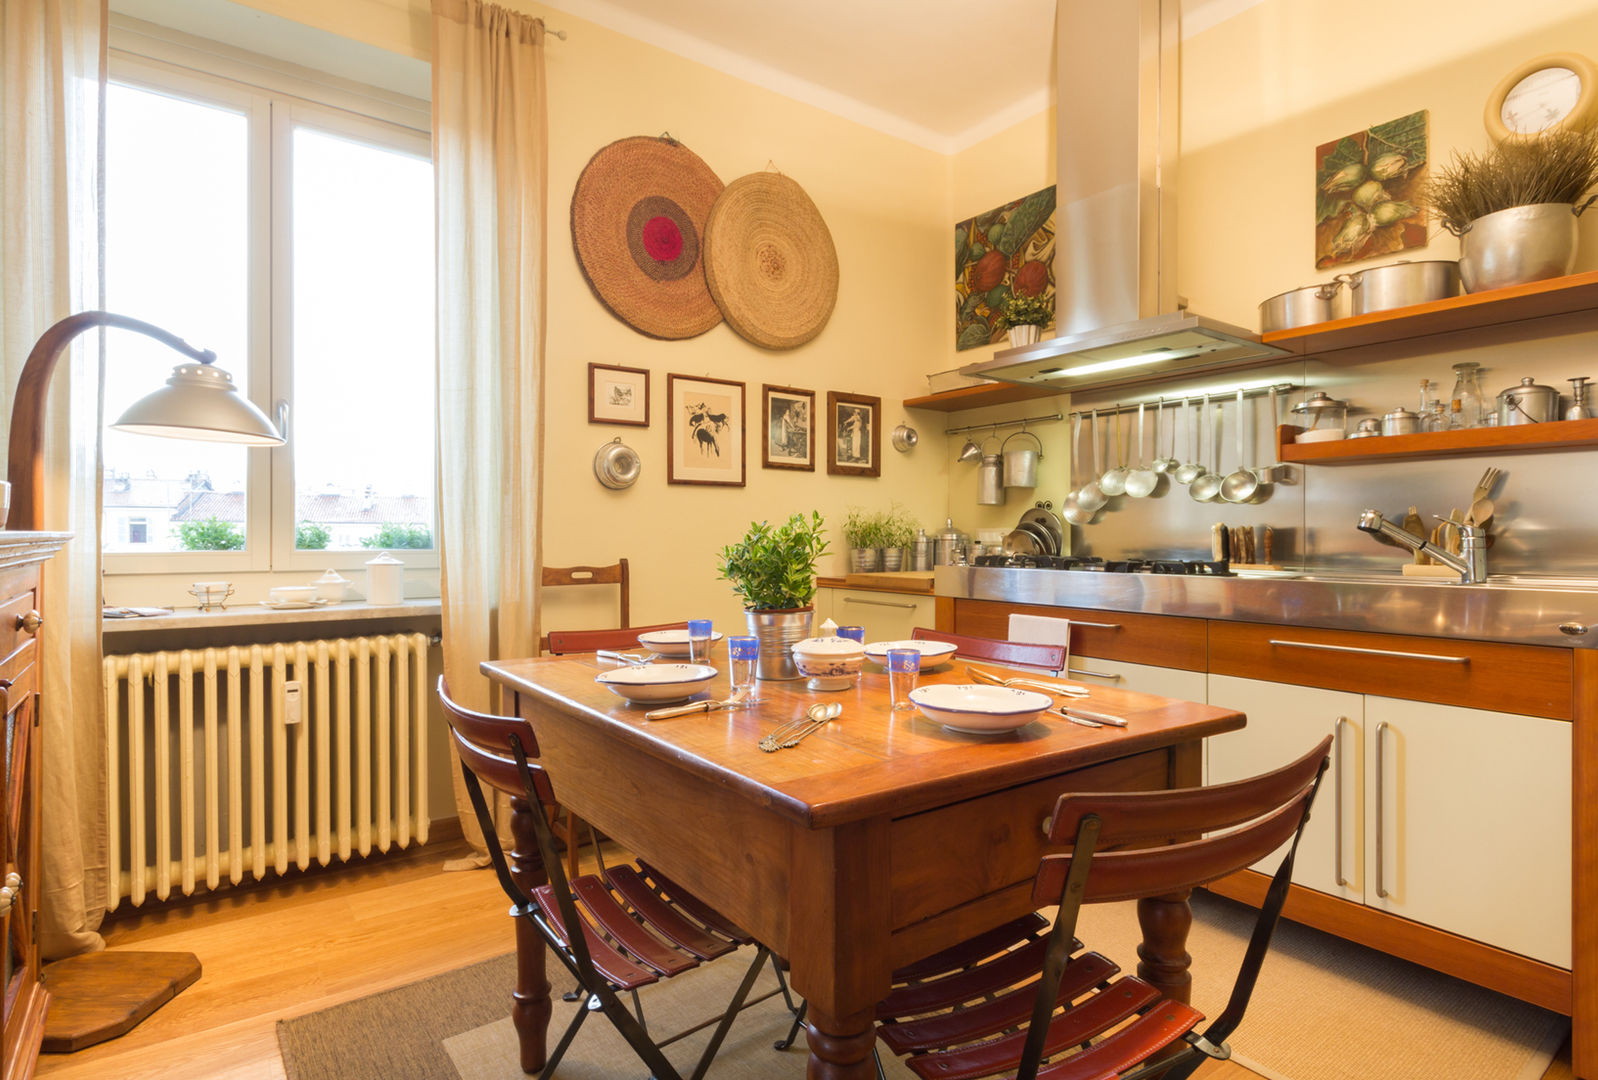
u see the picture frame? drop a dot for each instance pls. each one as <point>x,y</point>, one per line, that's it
<point>618,395</point>
<point>854,434</point>
<point>788,439</point>
<point>705,424</point>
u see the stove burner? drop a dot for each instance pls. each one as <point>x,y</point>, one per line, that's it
<point>1041,562</point>
<point>1094,564</point>
<point>1170,566</point>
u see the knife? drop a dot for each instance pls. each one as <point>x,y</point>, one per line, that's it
<point>1078,719</point>
<point>1073,713</point>
<point>1067,689</point>
<point>706,705</point>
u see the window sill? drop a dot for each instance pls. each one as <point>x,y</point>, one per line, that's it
<point>254,615</point>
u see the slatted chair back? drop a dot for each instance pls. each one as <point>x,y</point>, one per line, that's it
<point>1018,654</point>
<point>614,574</point>
<point>564,642</point>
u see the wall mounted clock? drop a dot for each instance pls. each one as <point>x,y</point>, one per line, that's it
<point>1557,92</point>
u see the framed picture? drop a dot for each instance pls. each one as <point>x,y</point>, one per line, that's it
<point>705,441</point>
<point>854,434</point>
<point>790,417</point>
<point>618,395</point>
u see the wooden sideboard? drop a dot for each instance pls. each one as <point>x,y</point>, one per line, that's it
<point>22,554</point>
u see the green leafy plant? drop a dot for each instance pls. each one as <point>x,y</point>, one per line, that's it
<point>861,527</point>
<point>1027,311</point>
<point>309,536</point>
<point>210,534</point>
<point>391,536</point>
<point>1557,168</point>
<point>774,569</point>
<point>899,527</point>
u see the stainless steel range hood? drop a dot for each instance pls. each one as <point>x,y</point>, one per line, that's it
<point>1117,314</point>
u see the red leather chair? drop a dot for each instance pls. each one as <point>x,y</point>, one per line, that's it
<point>1019,654</point>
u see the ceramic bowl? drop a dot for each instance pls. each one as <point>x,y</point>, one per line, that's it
<point>673,643</point>
<point>657,684</point>
<point>979,708</point>
<point>293,594</point>
<point>830,663</point>
<point>932,653</point>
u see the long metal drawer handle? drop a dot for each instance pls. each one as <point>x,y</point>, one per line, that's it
<point>1094,674</point>
<point>1337,797</point>
<point>877,603</point>
<point>1097,625</point>
<point>1373,652</point>
<point>1381,890</point>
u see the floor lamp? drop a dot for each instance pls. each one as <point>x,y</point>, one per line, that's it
<point>98,996</point>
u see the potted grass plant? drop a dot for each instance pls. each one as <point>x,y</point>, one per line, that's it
<point>898,533</point>
<point>1514,208</point>
<point>773,571</point>
<point>860,536</point>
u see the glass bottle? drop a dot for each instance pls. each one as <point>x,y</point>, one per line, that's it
<point>1426,398</point>
<point>1436,416</point>
<point>1466,406</point>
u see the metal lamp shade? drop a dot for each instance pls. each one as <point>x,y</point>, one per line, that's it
<point>200,401</point>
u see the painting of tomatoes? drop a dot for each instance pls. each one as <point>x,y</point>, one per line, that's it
<point>1008,251</point>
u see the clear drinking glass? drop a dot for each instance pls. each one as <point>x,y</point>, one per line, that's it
<point>904,665</point>
<point>743,654</point>
<point>854,633</point>
<point>699,640</point>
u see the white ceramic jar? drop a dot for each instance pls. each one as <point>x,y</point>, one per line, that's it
<point>385,580</point>
<point>332,587</point>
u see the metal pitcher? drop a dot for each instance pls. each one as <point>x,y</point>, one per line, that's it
<point>1021,464</point>
<point>990,481</point>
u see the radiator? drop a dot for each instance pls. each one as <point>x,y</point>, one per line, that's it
<point>232,762</point>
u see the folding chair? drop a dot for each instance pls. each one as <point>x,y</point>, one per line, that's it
<point>625,930</point>
<point>981,1009</point>
<point>1021,654</point>
<point>614,574</point>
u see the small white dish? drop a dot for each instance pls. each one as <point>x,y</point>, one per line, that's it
<point>294,605</point>
<point>657,684</point>
<point>829,663</point>
<point>978,708</point>
<point>673,642</point>
<point>932,653</point>
<point>292,593</point>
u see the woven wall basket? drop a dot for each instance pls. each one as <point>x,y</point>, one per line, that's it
<point>638,222</point>
<point>770,262</point>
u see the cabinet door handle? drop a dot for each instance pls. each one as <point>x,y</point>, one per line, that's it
<point>30,623</point>
<point>1373,652</point>
<point>1097,625</point>
<point>877,603</point>
<point>1337,799</point>
<point>1381,890</point>
<point>1094,674</point>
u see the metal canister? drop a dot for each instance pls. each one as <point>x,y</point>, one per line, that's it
<point>1527,403</point>
<point>921,551</point>
<point>990,481</point>
<point>1401,422</point>
<point>947,544</point>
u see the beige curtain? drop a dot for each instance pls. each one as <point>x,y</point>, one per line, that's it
<point>490,146</point>
<point>52,79</point>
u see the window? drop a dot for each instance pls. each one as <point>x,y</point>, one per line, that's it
<point>295,239</point>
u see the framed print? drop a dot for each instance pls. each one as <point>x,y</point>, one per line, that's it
<point>705,441</point>
<point>854,434</point>
<point>790,418</point>
<point>618,395</point>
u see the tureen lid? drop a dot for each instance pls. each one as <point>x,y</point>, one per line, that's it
<point>332,577</point>
<point>830,646</point>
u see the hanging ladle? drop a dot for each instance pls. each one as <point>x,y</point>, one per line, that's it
<point>1241,484</point>
<point>1141,481</point>
<point>1113,482</point>
<point>1090,496</point>
<point>1071,507</point>
<point>1207,484</point>
<point>1186,474</point>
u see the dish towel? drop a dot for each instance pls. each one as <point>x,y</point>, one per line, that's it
<point>1041,630</point>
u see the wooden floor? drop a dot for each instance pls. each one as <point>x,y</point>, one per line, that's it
<point>294,948</point>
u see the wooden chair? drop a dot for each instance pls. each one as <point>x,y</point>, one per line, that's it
<point>562,642</point>
<point>945,1012</point>
<point>628,929</point>
<point>1020,654</point>
<point>614,574</point>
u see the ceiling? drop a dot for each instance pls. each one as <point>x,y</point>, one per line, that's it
<point>943,74</point>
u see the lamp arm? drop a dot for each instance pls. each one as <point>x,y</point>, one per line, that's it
<point>25,463</point>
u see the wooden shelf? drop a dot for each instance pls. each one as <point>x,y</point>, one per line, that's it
<point>974,397</point>
<point>1552,436</point>
<point>1555,296</point>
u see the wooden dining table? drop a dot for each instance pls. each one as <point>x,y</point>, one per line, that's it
<point>882,838</point>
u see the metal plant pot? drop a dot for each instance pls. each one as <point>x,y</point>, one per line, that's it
<point>864,560</point>
<point>893,558</point>
<point>779,632</point>
<point>1521,244</point>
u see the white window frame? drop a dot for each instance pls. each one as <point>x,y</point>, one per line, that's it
<point>275,97</point>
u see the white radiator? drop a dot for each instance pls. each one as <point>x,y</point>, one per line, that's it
<point>230,761</point>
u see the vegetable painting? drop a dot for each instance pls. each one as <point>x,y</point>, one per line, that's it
<point>1007,252</point>
<point>1367,189</point>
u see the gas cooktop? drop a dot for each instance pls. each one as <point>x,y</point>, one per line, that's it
<point>1097,565</point>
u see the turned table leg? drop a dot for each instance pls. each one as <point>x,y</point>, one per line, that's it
<point>530,1007</point>
<point>840,1049</point>
<point>1163,961</point>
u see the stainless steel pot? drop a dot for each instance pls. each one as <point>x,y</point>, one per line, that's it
<point>1527,403</point>
<point>1521,244</point>
<point>1299,307</point>
<point>1400,284</point>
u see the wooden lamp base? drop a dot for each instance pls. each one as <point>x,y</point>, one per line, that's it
<point>98,996</point>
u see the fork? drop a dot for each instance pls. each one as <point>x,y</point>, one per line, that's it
<point>1484,486</point>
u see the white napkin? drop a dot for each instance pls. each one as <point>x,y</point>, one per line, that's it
<point>1041,630</point>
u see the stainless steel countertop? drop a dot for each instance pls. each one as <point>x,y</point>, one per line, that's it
<point>1521,610</point>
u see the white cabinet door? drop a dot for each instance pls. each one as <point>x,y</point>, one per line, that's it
<point>1285,722</point>
<point>1144,678</point>
<point>1474,829</point>
<point>823,603</point>
<point>886,616</point>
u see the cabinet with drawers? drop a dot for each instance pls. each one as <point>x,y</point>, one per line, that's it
<point>887,616</point>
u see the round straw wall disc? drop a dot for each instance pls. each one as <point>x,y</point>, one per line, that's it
<point>770,262</point>
<point>638,222</point>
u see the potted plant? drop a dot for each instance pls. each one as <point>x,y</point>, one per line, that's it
<point>860,536</point>
<point>899,532</point>
<point>1514,208</point>
<point>773,570</point>
<point>1025,316</point>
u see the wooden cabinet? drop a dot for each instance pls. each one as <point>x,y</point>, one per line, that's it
<point>887,616</point>
<point>20,627</point>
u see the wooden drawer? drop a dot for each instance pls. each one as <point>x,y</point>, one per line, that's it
<point>17,605</point>
<point>1532,680</point>
<point>1163,640</point>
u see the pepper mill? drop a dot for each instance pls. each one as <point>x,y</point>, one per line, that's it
<point>1578,406</point>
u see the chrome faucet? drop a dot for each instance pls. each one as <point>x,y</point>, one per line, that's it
<point>1471,562</point>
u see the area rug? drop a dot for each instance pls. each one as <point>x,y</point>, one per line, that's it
<point>1325,1009</point>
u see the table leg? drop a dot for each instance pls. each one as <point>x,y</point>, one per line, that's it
<point>530,1007</point>
<point>840,1049</point>
<point>1163,961</point>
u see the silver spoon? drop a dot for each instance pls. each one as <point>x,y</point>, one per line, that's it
<point>1186,474</point>
<point>1113,482</point>
<point>829,713</point>
<point>1208,484</point>
<point>1090,496</point>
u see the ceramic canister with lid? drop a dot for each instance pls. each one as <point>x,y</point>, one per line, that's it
<point>385,580</point>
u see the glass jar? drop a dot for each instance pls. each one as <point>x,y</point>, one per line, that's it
<point>1466,400</point>
<point>1326,418</point>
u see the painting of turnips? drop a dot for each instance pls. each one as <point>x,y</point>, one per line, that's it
<point>1008,251</point>
<point>1368,187</point>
